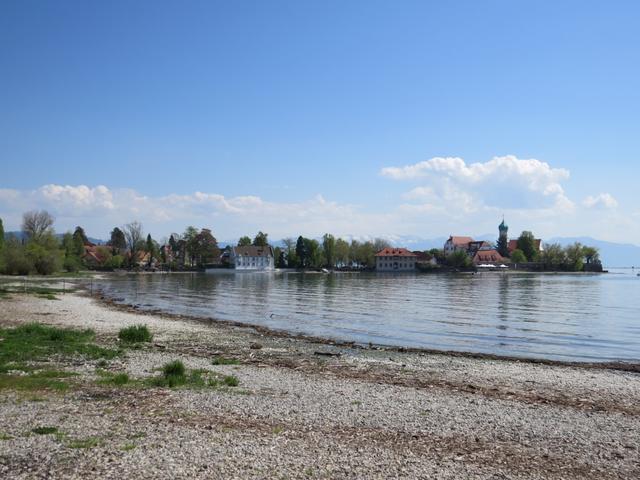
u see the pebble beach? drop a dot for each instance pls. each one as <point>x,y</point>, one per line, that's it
<point>311,409</point>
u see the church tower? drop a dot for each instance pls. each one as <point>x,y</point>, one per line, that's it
<point>503,240</point>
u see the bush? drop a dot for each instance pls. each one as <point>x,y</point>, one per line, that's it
<point>173,368</point>
<point>15,261</point>
<point>230,381</point>
<point>72,264</point>
<point>135,333</point>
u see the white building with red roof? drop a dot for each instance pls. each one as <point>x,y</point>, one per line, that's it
<point>395,260</point>
<point>455,243</point>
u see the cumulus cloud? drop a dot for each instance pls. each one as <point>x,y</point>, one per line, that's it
<point>602,200</point>
<point>502,182</point>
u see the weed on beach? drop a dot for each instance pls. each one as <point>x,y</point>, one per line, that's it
<point>90,442</point>
<point>224,361</point>
<point>135,334</point>
<point>174,374</point>
<point>45,430</point>
<point>23,346</point>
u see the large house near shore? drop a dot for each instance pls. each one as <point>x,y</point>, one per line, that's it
<point>455,243</point>
<point>395,260</point>
<point>252,258</point>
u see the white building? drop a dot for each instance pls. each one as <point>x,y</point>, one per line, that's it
<point>455,243</point>
<point>252,258</point>
<point>395,260</point>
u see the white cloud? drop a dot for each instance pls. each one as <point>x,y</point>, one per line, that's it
<point>602,200</point>
<point>502,182</point>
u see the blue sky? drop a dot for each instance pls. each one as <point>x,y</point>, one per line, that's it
<point>291,117</point>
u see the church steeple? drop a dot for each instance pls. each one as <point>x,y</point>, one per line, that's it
<point>503,241</point>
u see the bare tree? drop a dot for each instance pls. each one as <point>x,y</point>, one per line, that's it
<point>36,223</point>
<point>133,234</point>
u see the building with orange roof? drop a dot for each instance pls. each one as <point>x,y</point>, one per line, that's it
<point>395,260</point>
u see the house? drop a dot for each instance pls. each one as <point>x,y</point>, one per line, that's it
<point>487,255</point>
<point>252,258</point>
<point>474,246</point>
<point>455,243</point>
<point>425,258</point>
<point>395,259</point>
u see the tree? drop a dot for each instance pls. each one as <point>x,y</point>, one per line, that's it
<point>44,254</point>
<point>341,252</point>
<point>314,256</point>
<point>35,224</point>
<point>1,235</point>
<point>151,249</point>
<point>591,254</point>
<point>79,241</point>
<point>117,241</point>
<point>459,259</point>
<point>329,249</point>
<point>518,256</point>
<point>301,252</point>
<point>380,244</point>
<point>553,257</point>
<point>502,246</point>
<point>244,241</point>
<point>575,257</point>
<point>15,260</point>
<point>438,254</point>
<point>206,247</point>
<point>527,243</point>
<point>260,240</point>
<point>133,236</point>
<point>189,237</point>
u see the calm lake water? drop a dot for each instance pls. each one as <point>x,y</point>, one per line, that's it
<point>554,316</point>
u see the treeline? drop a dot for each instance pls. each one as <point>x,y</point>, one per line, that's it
<point>330,252</point>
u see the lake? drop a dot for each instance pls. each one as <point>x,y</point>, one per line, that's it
<point>553,316</point>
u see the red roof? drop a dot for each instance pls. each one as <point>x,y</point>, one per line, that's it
<point>487,256</point>
<point>395,252</point>
<point>460,240</point>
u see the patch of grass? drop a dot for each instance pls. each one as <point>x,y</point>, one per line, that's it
<point>4,436</point>
<point>231,381</point>
<point>48,296</point>
<point>31,383</point>
<point>277,430</point>
<point>33,342</point>
<point>102,364</point>
<point>175,368</point>
<point>90,442</point>
<point>135,334</point>
<point>128,447</point>
<point>45,430</point>
<point>224,361</point>
<point>117,379</point>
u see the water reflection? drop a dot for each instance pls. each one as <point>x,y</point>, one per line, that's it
<point>576,317</point>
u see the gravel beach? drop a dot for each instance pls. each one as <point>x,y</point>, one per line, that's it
<point>306,409</point>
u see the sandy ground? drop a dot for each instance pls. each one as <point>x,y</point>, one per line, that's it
<point>299,413</point>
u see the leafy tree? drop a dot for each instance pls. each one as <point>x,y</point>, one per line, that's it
<point>459,259</point>
<point>591,254</point>
<point>354,250</point>
<point>206,247</point>
<point>437,253</point>
<point>244,241</point>
<point>380,244</point>
<point>15,260</point>
<point>79,241</point>
<point>314,256</point>
<point>366,254</point>
<point>279,257</point>
<point>553,257</point>
<point>35,224</point>
<point>302,252</point>
<point>261,240</point>
<point>527,243</point>
<point>575,257</point>
<point>118,241</point>
<point>44,254</point>
<point>518,256</point>
<point>341,252</point>
<point>329,249</point>
<point>191,247</point>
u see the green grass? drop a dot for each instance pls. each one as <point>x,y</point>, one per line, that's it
<point>117,379</point>
<point>128,447</point>
<point>48,296</point>
<point>224,361</point>
<point>90,442</point>
<point>45,430</point>
<point>135,334</point>
<point>34,342</point>
<point>25,345</point>
<point>174,374</point>
<point>4,436</point>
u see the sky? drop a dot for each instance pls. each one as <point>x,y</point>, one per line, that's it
<point>360,118</point>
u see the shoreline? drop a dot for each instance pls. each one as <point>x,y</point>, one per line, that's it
<point>300,413</point>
